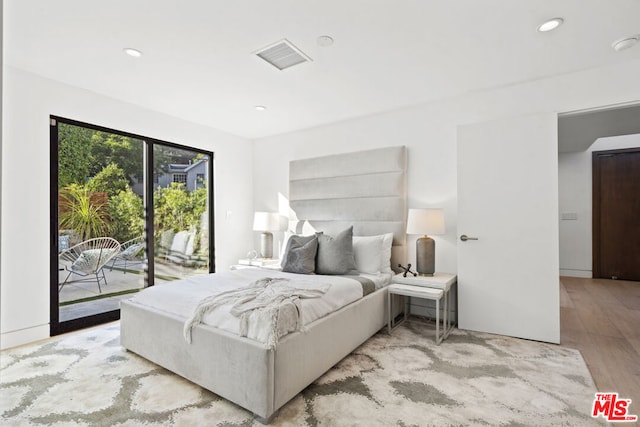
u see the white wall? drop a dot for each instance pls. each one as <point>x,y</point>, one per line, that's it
<point>28,102</point>
<point>575,191</point>
<point>1,117</point>
<point>429,132</point>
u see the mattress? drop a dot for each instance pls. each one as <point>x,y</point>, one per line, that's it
<point>180,298</point>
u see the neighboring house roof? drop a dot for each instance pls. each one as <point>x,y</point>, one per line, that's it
<point>174,167</point>
<point>193,165</point>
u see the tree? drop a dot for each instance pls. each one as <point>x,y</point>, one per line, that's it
<point>74,154</point>
<point>177,209</point>
<point>127,215</point>
<point>111,180</point>
<point>78,212</point>
<point>124,151</point>
<point>172,208</point>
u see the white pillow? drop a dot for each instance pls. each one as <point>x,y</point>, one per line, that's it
<point>385,261</point>
<point>366,251</point>
<point>285,240</point>
<point>373,253</point>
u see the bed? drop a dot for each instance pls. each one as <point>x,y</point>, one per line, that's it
<point>363,190</point>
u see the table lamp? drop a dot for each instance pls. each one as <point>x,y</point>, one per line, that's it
<point>425,221</point>
<point>266,222</point>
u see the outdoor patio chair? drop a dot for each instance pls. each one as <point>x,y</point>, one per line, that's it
<point>131,252</point>
<point>87,259</point>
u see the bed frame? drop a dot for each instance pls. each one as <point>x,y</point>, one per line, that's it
<point>366,189</point>
<point>242,370</point>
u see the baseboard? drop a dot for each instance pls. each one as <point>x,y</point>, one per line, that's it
<point>585,274</point>
<point>23,336</point>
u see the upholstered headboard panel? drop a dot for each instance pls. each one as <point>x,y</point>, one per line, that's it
<point>366,189</point>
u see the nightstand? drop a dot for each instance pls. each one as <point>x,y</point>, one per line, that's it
<point>411,286</point>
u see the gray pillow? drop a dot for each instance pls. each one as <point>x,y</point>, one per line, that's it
<point>300,255</point>
<point>335,254</point>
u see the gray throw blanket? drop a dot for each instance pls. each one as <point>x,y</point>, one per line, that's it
<point>260,305</point>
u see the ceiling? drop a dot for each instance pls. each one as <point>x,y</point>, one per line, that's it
<point>198,63</point>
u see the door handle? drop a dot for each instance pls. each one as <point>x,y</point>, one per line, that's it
<point>464,238</point>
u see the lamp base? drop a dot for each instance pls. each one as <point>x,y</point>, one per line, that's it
<point>425,256</point>
<point>266,245</point>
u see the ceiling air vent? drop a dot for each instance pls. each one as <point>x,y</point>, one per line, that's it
<point>282,55</point>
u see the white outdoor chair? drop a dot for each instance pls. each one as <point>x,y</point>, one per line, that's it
<point>131,252</point>
<point>87,259</point>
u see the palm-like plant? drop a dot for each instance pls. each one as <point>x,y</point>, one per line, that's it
<point>85,217</point>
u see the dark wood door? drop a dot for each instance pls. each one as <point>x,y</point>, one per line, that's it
<point>616,214</point>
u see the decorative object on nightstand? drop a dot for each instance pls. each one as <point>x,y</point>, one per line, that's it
<point>426,221</point>
<point>266,222</point>
<point>407,269</point>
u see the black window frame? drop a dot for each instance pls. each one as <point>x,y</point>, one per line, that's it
<point>56,327</point>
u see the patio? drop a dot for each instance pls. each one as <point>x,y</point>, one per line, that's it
<point>82,298</point>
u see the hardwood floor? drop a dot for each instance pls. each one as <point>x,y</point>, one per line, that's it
<point>601,318</point>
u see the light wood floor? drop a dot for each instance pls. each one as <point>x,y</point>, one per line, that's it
<point>601,318</point>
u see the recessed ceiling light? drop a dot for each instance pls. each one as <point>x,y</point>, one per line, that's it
<point>550,24</point>
<point>625,43</point>
<point>260,107</point>
<point>324,41</point>
<point>132,52</point>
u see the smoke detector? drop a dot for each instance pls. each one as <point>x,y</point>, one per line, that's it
<point>282,55</point>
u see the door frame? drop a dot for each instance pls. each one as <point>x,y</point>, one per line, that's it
<point>55,326</point>
<point>596,205</point>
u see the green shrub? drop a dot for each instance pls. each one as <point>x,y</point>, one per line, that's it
<point>78,212</point>
<point>111,180</point>
<point>177,209</point>
<point>127,215</point>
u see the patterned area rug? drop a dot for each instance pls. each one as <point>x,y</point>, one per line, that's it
<point>404,379</point>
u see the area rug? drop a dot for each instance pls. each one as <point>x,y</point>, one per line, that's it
<point>403,379</point>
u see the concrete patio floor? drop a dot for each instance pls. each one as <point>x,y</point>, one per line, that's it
<point>119,281</point>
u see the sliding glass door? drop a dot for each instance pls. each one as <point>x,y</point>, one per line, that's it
<point>181,214</point>
<point>126,212</point>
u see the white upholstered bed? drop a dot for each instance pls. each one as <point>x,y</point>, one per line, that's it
<point>365,190</point>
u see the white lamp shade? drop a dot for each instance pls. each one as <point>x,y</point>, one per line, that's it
<point>426,221</point>
<point>267,221</point>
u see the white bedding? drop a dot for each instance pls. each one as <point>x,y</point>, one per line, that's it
<point>181,297</point>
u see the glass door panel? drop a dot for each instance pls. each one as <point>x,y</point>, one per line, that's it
<point>100,227</point>
<point>180,212</point>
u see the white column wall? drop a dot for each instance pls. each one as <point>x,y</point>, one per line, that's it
<point>28,101</point>
<point>575,197</point>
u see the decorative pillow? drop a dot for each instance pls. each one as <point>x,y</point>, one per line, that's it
<point>287,236</point>
<point>301,228</point>
<point>190,246</point>
<point>300,255</point>
<point>335,254</point>
<point>180,240</point>
<point>89,260</point>
<point>373,253</point>
<point>134,251</point>
<point>367,251</point>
